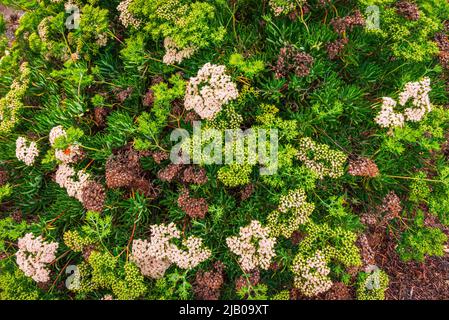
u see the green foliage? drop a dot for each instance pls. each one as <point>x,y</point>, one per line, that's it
<point>151,124</point>
<point>5,192</point>
<point>16,286</point>
<point>420,241</point>
<point>174,286</point>
<point>409,40</point>
<point>248,68</point>
<point>10,231</point>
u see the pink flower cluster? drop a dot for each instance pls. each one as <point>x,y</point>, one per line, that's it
<point>254,246</point>
<point>26,153</point>
<point>418,92</point>
<point>55,133</point>
<point>311,274</point>
<point>70,155</point>
<point>72,181</point>
<point>209,91</point>
<point>154,257</point>
<point>175,54</point>
<point>34,255</point>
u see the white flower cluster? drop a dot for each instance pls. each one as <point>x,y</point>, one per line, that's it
<point>209,91</point>
<point>311,274</point>
<point>72,181</point>
<point>66,176</point>
<point>418,92</point>
<point>34,255</point>
<point>71,154</point>
<point>126,17</point>
<point>296,200</point>
<point>254,246</point>
<point>175,54</point>
<point>154,257</point>
<point>26,153</point>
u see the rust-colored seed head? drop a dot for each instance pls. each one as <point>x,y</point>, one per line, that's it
<point>93,196</point>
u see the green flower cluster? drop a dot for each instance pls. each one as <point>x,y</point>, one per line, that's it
<point>75,241</point>
<point>321,159</point>
<point>267,117</point>
<point>282,295</point>
<point>336,243</point>
<point>248,67</point>
<point>372,286</point>
<point>101,272</point>
<point>412,40</point>
<point>11,104</point>
<point>227,118</point>
<point>17,286</point>
<point>419,190</point>
<point>234,175</point>
<point>293,211</point>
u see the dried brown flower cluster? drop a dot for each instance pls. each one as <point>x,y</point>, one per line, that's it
<point>208,284</point>
<point>122,95</point>
<point>93,196</point>
<point>186,174</point>
<point>247,280</point>
<point>123,170</point>
<point>247,191</point>
<point>3,177</point>
<point>194,175</point>
<point>445,148</point>
<point>335,48</point>
<point>148,99</point>
<point>190,117</point>
<point>100,115</point>
<point>391,206</point>
<point>442,41</point>
<point>408,9</point>
<point>170,173</point>
<point>338,291</point>
<point>194,208</point>
<point>388,210</point>
<point>341,26</point>
<point>159,156</point>
<point>298,12</point>
<point>363,167</point>
<point>292,60</point>
<point>366,251</point>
